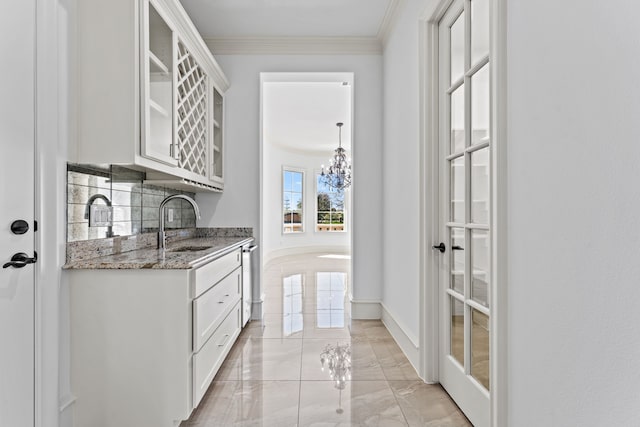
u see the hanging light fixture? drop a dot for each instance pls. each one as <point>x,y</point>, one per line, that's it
<point>338,175</point>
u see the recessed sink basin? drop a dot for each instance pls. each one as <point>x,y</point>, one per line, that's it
<point>190,249</point>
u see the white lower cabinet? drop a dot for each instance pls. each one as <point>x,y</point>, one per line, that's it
<point>208,359</point>
<point>210,308</point>
<point>144,346</point>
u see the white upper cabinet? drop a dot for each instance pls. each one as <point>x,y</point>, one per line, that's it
<point>150,93</point>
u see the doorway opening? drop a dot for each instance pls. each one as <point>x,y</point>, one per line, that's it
<point>306,221</point>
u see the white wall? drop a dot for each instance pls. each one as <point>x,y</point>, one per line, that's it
<point>239,205</point>
<point>401,173</point>
<point>275,242</point>
<point>574,198</point>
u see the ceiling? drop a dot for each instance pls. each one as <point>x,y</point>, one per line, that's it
<point>289,18</point>
<point>303,116</point>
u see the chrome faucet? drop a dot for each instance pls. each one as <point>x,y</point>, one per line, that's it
<point>162,238</point>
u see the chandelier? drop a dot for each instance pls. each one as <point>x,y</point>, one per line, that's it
<point>338,360</point>
<point>338,175</point>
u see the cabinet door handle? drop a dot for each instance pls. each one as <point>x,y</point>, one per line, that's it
<point>224,341</point>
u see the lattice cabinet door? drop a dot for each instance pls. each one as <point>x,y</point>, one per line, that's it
<point>192,127</point>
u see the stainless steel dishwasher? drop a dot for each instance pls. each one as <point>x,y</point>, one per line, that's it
<point>247,279</point>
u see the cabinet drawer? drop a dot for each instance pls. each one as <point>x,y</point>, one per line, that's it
<point>212,306</point>
<point>210,274</point>
<point>207,361</point>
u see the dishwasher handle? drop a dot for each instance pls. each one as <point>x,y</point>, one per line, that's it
<point>249,248</point>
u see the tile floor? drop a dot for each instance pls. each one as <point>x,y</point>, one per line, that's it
<point>273,375</point>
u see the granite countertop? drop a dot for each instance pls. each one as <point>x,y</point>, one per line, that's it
<point>155,259</point>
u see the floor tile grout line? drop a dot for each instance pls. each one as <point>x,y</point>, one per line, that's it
<point>395,397</point>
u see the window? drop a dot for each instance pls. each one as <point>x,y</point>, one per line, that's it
<point>292,201</point>
<point>329,207</point>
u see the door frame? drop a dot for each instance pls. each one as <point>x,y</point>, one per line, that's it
<point>430,202</point>
<point>51,128</point>
<point>302,77</point>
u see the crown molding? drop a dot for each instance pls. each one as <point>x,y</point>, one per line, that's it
<point>294,45</point>
<point>257,45</point>
<point>389,20</point>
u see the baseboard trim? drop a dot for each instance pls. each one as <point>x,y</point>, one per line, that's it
<point>257,309</point>
<point>365,309</point>
<point>66,401</point>
<point>407,343</point>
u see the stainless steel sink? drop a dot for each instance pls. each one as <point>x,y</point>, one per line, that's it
<point>190,249</point>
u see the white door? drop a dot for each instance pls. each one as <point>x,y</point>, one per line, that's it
<point>464,154</point>
<point>17,284</point>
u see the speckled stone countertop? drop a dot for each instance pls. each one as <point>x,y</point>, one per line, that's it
<point>149,257</point>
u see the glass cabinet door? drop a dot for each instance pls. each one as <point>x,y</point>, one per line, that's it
<point>157,83</point>
<point>217,165</point>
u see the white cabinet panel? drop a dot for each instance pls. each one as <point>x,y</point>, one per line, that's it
<point>210,274</point>
<point>207,361</point>
<point>211,307</point>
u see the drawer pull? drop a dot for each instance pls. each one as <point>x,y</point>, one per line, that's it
<point>224,341</point>
<point>222,302</point>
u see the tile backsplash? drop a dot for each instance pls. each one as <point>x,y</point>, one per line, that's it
<point>135,204</point>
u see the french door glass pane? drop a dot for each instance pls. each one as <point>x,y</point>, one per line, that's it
<point>480,186</point>
<point>457,120</point>
<point>479,29</point>
<point>480,347</point>
<point>457,330</point>
<point>480,266</point>
<point>457,190</point>
<point>480,105</point>
<point>457,48</point>
<point>457,259</point>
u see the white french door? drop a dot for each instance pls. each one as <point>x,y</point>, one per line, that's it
<point>17,277</point>
<point>464,187</point>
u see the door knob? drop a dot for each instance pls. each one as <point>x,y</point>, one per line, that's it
<point>19,226</point>
<point>441,247</point>
<point>20,260</point>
